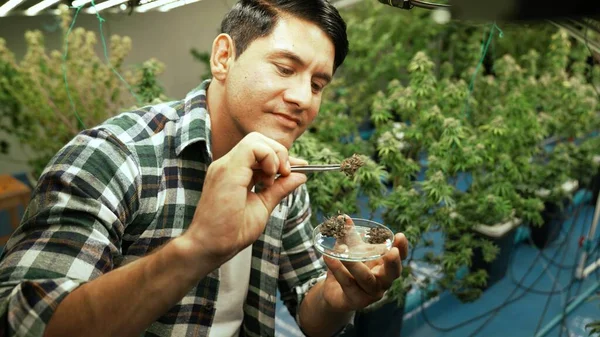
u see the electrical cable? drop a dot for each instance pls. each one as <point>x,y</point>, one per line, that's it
<point>507,301</point>
<point>570,284</point>
<point>573,269</point>
<point>530,289</point>
<point>549,260</point>
<point>491,311</point>
<point>539,325</point>
<point>545,292</point>
<point>596,251</point>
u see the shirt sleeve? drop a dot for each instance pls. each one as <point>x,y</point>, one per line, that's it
<point>302,265</point>
<point>71,230</point>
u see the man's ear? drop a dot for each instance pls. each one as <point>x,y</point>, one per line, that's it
<point>222,56</point>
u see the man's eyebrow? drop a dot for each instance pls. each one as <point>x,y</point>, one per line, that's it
<point>298,61</point>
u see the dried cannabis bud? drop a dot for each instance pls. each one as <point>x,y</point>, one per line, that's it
<point>349,241</point>
<point>377,235</point>
<point>350,165</point>
<point>334,227</point>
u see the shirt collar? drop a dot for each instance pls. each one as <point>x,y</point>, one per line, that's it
<point>194,124</point>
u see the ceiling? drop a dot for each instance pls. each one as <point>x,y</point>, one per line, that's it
<point>114,6</point>
<point>586,30</point>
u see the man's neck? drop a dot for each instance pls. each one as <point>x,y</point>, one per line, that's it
<point>223,132</point>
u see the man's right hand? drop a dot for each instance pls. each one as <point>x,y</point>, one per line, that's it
<point>229,215</point>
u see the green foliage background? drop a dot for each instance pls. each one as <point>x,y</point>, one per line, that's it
<point>38,108</point>
<point>407,99</point>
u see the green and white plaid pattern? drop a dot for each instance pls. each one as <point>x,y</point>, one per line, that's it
<point>124,188</point>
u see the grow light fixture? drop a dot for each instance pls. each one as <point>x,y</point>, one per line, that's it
<point>33,10</point>
<point>409,4</point>
<point>176,4</point>
<point>104,5</point>
<point>152,5</point>
<point>7,7</point>
<point>507,10</point>
<point>78,3</point>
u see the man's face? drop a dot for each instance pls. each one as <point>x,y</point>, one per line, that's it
<point>275,86</point>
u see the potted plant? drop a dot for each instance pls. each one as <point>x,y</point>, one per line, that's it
<point>568,106</point>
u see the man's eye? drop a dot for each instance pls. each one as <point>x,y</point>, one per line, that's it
<point>284,70</point>
<point>316,87</point>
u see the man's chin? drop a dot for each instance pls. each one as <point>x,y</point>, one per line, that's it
<point>284,138</point>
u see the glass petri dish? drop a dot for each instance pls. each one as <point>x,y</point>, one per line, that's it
<point>366,240</point>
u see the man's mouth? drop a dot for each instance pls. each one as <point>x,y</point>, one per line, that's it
<point>288,120</point>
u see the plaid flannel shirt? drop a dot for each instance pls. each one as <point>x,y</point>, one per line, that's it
<point>124,188</point>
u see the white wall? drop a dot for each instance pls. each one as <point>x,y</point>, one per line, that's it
<point>166,36</point>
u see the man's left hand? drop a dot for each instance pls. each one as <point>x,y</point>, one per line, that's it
<point>351,286</point>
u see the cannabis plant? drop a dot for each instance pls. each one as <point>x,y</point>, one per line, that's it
<point>453,148</point>
<point>59,93</point>
<point>454,155</point>
<point>385,39</point>
<point>9,106</point>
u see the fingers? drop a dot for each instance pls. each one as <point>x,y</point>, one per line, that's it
<point>401,243</point>
<point>392,268</point>
<point>271,156</point>
<point>372,281</point>
<point>297,161</point>
<point>347,282</point>
<point>280,188</point>
<point>364,277</point>
<point>268,161</point>
<point>356,279</point>
<point>282,154</point>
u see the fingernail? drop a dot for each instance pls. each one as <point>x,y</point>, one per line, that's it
<point>287,164</point>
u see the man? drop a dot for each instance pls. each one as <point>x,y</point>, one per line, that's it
<point>149,224</point>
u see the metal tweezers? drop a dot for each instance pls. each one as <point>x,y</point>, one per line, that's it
<point>316,168</point>
<point>313,168</point>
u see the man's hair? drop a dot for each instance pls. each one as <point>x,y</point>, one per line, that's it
<point>249,20</point>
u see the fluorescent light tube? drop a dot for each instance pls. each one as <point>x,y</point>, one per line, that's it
<point>78,3</point>
<point>176,4</point>
<point>104,5</point>
<point>7,7</point>
<point>33,10</point>
<point>152,5</point>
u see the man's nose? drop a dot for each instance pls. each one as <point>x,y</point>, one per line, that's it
<point>300,95</point>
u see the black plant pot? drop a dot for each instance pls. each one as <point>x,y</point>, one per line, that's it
<point>505,240</point>
<point>553,217</point>
<point>595,187</point>
<point>385,321</point>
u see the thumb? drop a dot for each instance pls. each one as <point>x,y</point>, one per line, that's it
<point>282,186</point>
<point>297,161</point>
